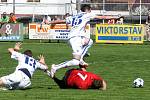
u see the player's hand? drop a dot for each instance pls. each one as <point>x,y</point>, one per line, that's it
<point>17,46</point>
<point>41,59</point>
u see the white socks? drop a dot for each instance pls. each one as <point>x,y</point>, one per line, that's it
<point>73,62</point>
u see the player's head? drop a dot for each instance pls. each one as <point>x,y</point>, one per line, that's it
<point>67,14</point>
<point>45,16</point>
<point>85,8</point>
<point>28,53</point>
<point>12,14</point>
<point>4,14</point>
<point>97,84</point>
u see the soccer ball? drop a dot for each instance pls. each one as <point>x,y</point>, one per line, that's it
<point>137,83</point>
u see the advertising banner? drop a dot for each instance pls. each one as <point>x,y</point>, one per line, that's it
<point>11,32</point>
<point>57,31</point>
<point>110,33</point>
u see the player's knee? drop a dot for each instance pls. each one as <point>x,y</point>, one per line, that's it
<point>76,61</point>
<point>87,41</point>
<point>77,57</point>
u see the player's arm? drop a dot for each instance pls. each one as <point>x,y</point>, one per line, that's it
<point>104,17</point>
<point>42,65</point>
<point>13,51</point>
<point>41,59</point>
<point>54,22</point>
<point>17,47</point>
<point>58,22</point>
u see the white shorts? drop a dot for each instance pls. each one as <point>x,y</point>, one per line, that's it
<point>16,80</point>
<point>77,45</point>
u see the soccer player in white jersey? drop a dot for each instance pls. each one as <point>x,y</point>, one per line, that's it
<point>78,40</point>
<point>27,65</point>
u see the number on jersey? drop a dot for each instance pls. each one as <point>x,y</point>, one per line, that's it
<point>30,61</point>
<point>82,76</point>
<point>77,20</point>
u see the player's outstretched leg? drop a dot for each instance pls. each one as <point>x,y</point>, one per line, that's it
<point>72,62</point>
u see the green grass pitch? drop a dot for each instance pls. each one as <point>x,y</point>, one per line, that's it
<point>118,64</point>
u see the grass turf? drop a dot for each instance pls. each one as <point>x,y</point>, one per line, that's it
<point>118,64</point>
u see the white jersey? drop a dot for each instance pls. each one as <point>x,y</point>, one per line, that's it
<point>27,62</point>
<point>78,23</point>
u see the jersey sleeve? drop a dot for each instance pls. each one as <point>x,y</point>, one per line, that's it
<point>90,16</point>
<point>41,66</point>
<point>16,55</point>
<point>68,20</point>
